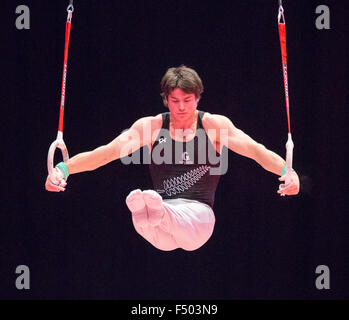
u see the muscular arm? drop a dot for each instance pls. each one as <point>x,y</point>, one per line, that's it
<point>126,143</point>
<point>243,144</point>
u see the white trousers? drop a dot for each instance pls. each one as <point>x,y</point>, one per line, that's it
<point>186,224</point>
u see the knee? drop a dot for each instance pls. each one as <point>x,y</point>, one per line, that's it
<point>158,238</point>
<point>194,240</point>
<point>140,219</point>
<point>164,247</point>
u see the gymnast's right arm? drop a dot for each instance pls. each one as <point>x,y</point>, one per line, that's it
<point>126,143</point>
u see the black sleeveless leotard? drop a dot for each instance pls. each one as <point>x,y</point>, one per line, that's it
<point>184,169</point>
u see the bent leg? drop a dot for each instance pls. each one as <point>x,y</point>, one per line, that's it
<point>136,205</point>
<point>190,222</point>
<point>171,224</point>
<point>156,236</point>
<point>155,207</point>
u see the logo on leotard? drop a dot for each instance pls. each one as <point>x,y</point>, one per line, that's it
<point>161,140</point>
<point>184,182</point>
<point>186,158</point>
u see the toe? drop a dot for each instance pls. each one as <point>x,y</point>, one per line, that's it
<point>135,201</point>
<point>152,199</point>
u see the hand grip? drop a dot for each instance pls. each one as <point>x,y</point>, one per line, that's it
<point>289,159</point>
<point>58,143</point>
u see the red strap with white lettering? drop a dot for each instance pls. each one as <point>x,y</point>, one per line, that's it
<point>282,36</point>
<point>70,10</point>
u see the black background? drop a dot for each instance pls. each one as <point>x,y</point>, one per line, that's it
<point>81,244</point>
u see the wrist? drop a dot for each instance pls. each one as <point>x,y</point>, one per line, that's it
<point>64,169</point>
<point>284,170</point>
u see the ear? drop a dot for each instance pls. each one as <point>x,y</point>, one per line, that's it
<point>197,101</point>
<point>164,99</point>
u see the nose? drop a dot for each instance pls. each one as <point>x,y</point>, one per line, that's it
<point>181,106</point>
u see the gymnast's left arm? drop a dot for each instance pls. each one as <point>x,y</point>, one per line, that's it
<point>243,144</point>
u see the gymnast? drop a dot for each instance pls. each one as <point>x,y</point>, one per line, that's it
<point>185,160</point>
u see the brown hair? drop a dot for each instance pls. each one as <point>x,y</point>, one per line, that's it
<point>183,78</point>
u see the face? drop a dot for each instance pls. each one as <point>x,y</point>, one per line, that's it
<point>182,105</point>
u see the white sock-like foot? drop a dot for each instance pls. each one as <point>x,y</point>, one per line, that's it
<point>153,201</point>
<point>136,205</point>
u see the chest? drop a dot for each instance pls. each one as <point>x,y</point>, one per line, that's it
<point>187,136</point>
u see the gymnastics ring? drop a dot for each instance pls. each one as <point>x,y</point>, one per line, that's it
<point>58,143</point>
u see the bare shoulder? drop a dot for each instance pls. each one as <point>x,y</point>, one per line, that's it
<point>153,122</point>
<point>215,121</point>
<point>156,121</point>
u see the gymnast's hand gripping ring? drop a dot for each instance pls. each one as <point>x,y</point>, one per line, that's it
<point>58,143</point>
